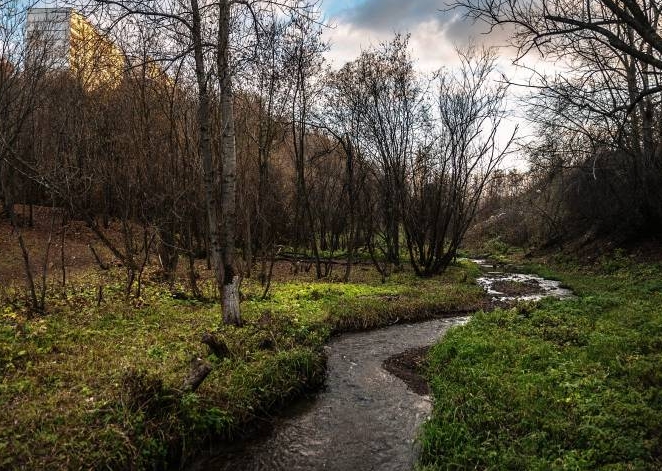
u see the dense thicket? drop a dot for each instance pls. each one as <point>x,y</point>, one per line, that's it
<point>596,164</point>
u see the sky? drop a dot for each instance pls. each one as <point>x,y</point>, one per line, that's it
<point>435,33</point>
<point>434,29</point>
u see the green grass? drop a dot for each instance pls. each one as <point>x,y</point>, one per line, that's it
<point>96,387</point>
<point>573,384</point>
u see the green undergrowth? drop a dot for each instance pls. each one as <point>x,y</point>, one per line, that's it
<point>97,385</point>
<point>573,384</point>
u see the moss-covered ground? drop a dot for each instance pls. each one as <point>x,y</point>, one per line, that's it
<point>573,384</point>
<point>97,383</point>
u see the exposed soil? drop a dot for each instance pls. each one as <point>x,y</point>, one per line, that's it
<point>517,288</point>
<point>78,258</point>
<point>46,223</point>
<point>409,366</point>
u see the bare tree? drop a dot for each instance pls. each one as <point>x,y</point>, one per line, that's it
<point>608,99</point>
<point>549,25</point>
<point>266,93</point>
<point>449,174</point>
<point>204,33</point>
<point>388,101</point>
<point>341,116</point>
<point>24,66</point>
<point>304,63</point>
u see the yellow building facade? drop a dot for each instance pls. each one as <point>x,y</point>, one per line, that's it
<point>62,39</point>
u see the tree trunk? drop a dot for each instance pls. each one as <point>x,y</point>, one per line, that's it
<point>351,239</point>
<point>200,369</point>
<point>6,185</point>
<point>231,312</point>
<point>204,148</point>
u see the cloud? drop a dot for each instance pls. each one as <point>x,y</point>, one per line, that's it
<point>427,44</point>
<point>389,16</point>
<point>432,43</point>
<point>435,30</point>
<point>394,15</point>
<point>435,33</point>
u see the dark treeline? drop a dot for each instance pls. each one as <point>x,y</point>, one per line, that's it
<point>226,137</point>
<point>596,163</point>
<point>221,134</point>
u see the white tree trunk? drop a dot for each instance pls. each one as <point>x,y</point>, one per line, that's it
<point>231,311</point>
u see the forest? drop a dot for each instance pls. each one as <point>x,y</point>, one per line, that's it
<point>196,207</point>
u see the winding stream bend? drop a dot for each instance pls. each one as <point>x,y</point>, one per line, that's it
<point>366,418</point>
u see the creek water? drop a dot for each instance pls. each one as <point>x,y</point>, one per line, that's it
<point>365,418</point>
<point>536,287</point>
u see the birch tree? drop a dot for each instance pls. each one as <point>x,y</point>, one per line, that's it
<point>203,32</point>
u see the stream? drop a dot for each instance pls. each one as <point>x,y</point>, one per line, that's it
<point>502,285</point>
<point>365,418</point>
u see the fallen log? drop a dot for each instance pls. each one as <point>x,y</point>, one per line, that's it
<point>200,369</point>
<point>216,345</point>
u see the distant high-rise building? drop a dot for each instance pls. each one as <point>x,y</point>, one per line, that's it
<point>63,39</point>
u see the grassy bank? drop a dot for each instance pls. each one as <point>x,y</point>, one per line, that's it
<point>92,385</point>
<point>573,384</point>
